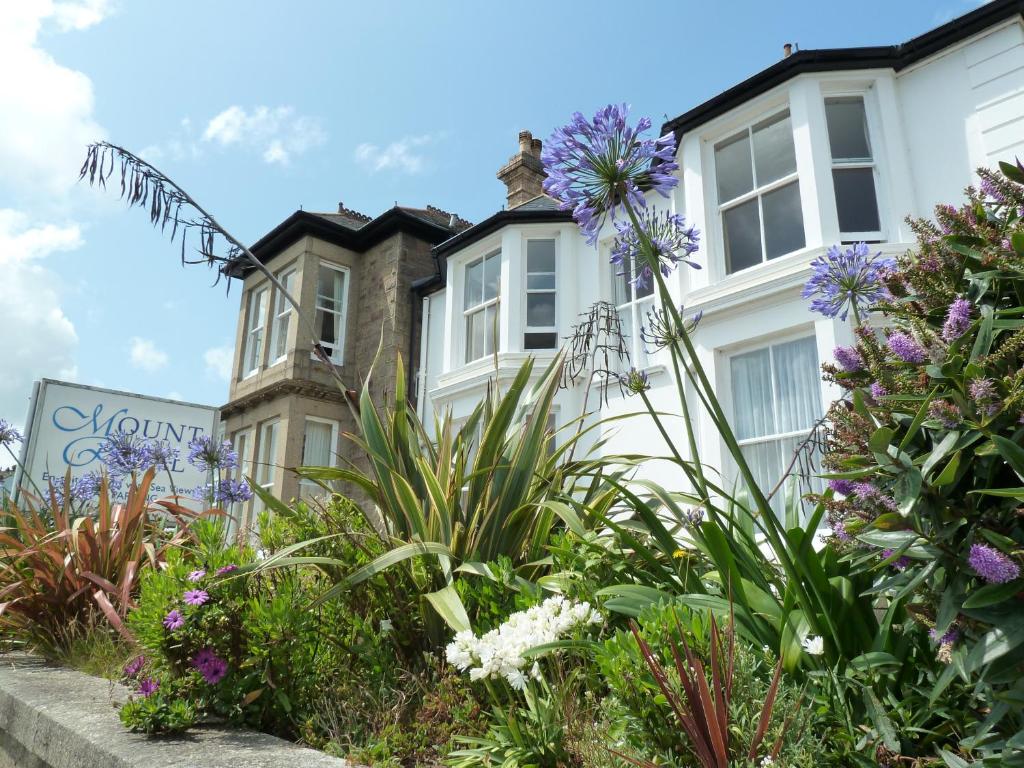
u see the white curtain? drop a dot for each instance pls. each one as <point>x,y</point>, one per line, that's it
<point>317,450</point>
<point>797,384</point>
<point>752,394</point>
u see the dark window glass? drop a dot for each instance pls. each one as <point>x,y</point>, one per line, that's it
<point>783,221</point>
<point>540,340</point>
<point>742,226</point>
<point>855,199</point>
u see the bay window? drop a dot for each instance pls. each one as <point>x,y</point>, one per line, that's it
<point>252,348</point>
<point>282,318</point>
<point>541,278</point>
<point>759,193</point>
<point>319,446</point>
<point>480,306</point>
<point>632,303</point>
<point>776,395</point>
<point>331,303</point>
<point>853,168</point>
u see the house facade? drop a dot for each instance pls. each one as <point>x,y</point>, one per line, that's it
<point>825,147</point>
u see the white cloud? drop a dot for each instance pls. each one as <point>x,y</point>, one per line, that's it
<point>218,362</point>
<point>37,338</point>
<point>144,354</point>
<point>277,133</point>
<point>401,155</point>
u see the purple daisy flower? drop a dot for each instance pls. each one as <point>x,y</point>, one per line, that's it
<point>214,671</point>
<point>227,569</point>
<point>196,575</point>
<point>906,349</point>
<point>196,596</point>
<point>148,686</point>
<point>174,620</point>
<point>878,390</point>
<point>958,320</point>
<point>992,565</point>
<point>849,359</point>
<point>203,657</point>
<point>133,667</point>
<point>844,281</point>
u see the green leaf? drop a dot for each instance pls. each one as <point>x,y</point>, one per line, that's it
<point>881,721</point>
<point>1012,452</point>
<point>948,474</point>
<point>877,661</point>
<point>939,452</point>
<point>996,643</point>
<point>1010,493</point>
<point>449,607</point>
<point>1011,171</point>
<point>983,341</point>
<point>952,760</point>
<point>1017,241</point>
<point>881,439</point>
<point>991,594</point>
<point>888,539</point>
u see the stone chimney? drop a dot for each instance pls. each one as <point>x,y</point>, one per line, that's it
<point>523,173</point>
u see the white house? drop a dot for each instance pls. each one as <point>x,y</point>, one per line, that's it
<point>824,147</point>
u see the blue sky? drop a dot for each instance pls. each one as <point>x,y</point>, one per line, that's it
<point>260,108</point>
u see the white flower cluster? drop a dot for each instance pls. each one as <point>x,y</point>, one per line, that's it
<point>499,653</point>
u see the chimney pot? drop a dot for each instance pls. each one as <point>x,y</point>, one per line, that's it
<point>535,147</point>
<point>341,207</point>
<point>525,138</point>
<point>787,50</point>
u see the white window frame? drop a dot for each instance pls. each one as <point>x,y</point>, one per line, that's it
<point>527,328</point>
<point>238,511</point>
<point>758,192</point>
<point>638,308</point>
<point>265,467</point>
<point>338,356</point>
<point>469,311</point>
<point>873,145</point>
<point>252,343</point>
<point>308,484</point>
<point>280,323</point>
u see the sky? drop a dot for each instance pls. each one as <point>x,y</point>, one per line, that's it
<point>260,108</point>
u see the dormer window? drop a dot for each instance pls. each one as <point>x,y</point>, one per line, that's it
<point>480,307</point>
<point>541,280</point>
<point>759,193</point>
<point>853,168</point>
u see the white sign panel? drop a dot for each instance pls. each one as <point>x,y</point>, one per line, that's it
<point>68,424</point>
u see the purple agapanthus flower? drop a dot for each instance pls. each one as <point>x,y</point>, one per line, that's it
<point>174,620</point>
<point>196,575</point>
<point>842,281</point>
<point>133,667</point>
<point>635,381</point>
<point>87,487</point>
<point>991,565</point>
<point>125,454</point>
<point>842,485</point>
<point>206,454</point>
<point>196,597</point>
<point>672,240</point>
<point>958,320</point>
<point>900,563</point>
<point>906,348</point>
<point>57,487</point>
<point>594,165</point>
<point>8,434</point>
<point>849,359</point>
<point>227,569</point>
<point>233,492</point>
<point>162,455</point>
<point>148,686</point>
<point>878,390</point>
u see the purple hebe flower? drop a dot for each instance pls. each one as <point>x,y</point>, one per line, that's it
<point>842,485</point>
<point>900,563</point>
<point>8,434</point>
<point>948,637</point>
<point>125,454</point>
<point>672,240</point>
<point>946,413</point>
<point>906,349</point>
<point>992,565</point>
<point>196,597</point>
<point>849,359</point>
<point>174,620</point>
<point>196,575</point>
<point>990,190</point>
<point>233,492</point>
<point>134,667</point>
<point>878,390</point>
<point>958,320</point>
<point>842,281</point>
<point>840,532</point>
<point>592,166</point>
<point>206,454</point>
<point>148,686</point>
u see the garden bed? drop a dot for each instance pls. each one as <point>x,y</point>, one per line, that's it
<point>52,717</point>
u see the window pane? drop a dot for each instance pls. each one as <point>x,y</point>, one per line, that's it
<point>622,291</point>
<point>847,129</point>
<point>540,282</point>
<point>644,290</point>
<point>492,275</point>
<point>752,394</point>
<point>797,384</point>
<point>640,358</point>
<point>329,287</point>
<point>540,256</point>
<point>766,466</point>
<point>540,310</point>
<point>783,221</point>
<point>540,340</point>
<point>774,156</point>
<point>316,450</point>
<point>474,336</point>
<point>490,328</point>
<point>855,199</point>
<point>732,167</point>
<point>742,226</point>
<point>474,283</point>
<point>626,328</point>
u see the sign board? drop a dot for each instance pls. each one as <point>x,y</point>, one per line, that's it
<point>68,423</point>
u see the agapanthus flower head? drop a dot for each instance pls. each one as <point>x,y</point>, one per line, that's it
<point>134,667</point>
<point>958,320</point>
<point>849,359</point>
<point>842,281</point>
<point>232,492</point>
<point>162,454</point>
<point>594,165</point>
<point>635,382</point>
<point>906,348</point>
<point>991,565</point>
<point>660,331</point>
<point>86,487</point>
<point>58,490</point>
<point>672,242</point>
<point>174,620</point>
<point>197,575</point>
<point>900,563</point>
<point>148,686</point>
<point>8,434</point>
<point>946,413</point>
<point>125,454</point>
<point>878,390</point>
<point>196,597</point>
<point>205,453</point>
